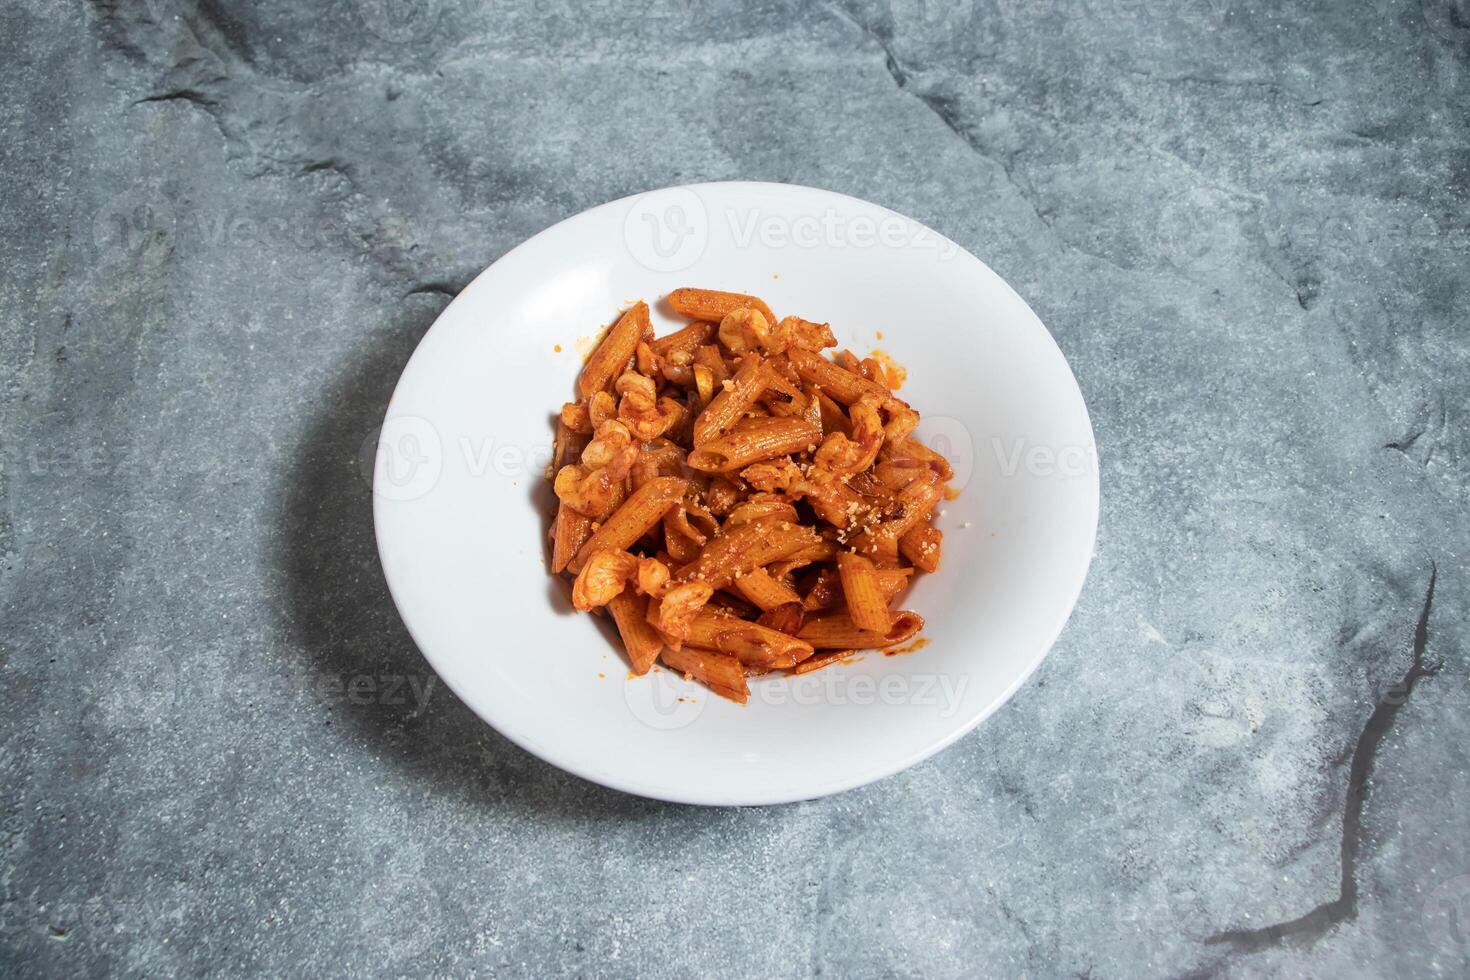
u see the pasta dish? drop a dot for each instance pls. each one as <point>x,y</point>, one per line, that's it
<point>738,501</point>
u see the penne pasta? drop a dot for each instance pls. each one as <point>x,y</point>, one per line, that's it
<point>640,640</point>
<point>842,386</point>
<point>866,603</point>
<point>751,643</point>
<point>733,398</point>
<point>786,618</point>
<point>836,630</point>
<point>912,448</point>
<point>615,351</point>
<point>825,591</point>
<point>765,592</point>
<point>892,581</point>
<point>714,305</point>
<point>920,545</point>
<point>753,441</point>
<point>638,514</point>
<point>761,505</point>
<point>569,532</point>
<point>568,445</point>
<point>748,546</point>
<point>823,659</point>
<point>719,672</point>
<point>687,339</point>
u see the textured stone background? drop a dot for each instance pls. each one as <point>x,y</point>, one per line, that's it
<point>225,226</point>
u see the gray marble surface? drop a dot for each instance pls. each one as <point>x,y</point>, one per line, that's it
<point>225,226</point>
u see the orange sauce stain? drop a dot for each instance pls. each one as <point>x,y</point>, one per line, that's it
<point>950,493</point>
<point>895,372</point>
<point>556,347</point>
<point>602,675</point>
<point>918,644</point>
<point>880,335</point>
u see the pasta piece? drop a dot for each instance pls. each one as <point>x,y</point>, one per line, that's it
<point>750,642</point>
<point>731,402</point>
<point>763,591</point>
<point>719,672</point>
<point>823,659</point>
<point>704,383</point>
<point>761,505</point>
<point>918,500</point>
<point>681,545</point>
<point>825,591</point>
<point>920,545</point>
<point>687,339</point>
<point>773,380</point>
<point>844,386</point>
<point>569,532</point>
<point>866,603</point>
<point>834,418</point>
<point>836,630</point>
<point>881,543</point>
<point>895,474</point>
<point>640,512</point>
<point>753,441</point>
<point>713,305</point>
<point>708,357</point>
<point>748,546</point>
<point>892,581</point>
<point>912,448</point>
<point>786,618</point>
<point>568,445</point>
<point>640,640</point>
<point>822,549</point>
<point>616,349</point>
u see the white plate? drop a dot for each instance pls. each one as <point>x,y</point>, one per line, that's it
<point>462,509</point>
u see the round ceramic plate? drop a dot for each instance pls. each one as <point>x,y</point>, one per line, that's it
<point>462,506</point>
